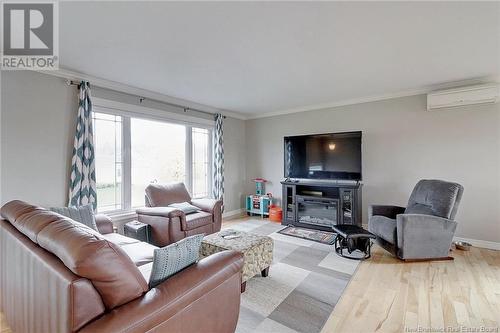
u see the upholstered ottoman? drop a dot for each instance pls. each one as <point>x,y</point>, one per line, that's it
<point>257,251</point>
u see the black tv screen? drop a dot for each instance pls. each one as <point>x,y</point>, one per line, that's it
<point>335,156</point>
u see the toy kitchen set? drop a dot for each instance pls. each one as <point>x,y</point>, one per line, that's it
<point>259,203</point>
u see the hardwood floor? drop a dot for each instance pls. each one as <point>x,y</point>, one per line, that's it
<point>388,295</point>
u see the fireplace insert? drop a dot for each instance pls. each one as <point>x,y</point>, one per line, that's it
<point>317,211</point>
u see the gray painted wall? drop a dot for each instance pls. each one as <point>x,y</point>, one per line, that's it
<point>402,143</point>
<point>37,127</point>
<point>235,162</point>
<point>38,122</point>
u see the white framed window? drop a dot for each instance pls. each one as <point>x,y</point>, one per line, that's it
<point>201,162</point>
<point>135,149</point>
<point>108,160</point>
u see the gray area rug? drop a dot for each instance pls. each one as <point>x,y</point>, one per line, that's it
<point>305,282</point>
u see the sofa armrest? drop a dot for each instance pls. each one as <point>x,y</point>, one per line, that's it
<point>207,205</point>
<point>424,236</point>
<point>213,207</point>
<point>160,211</point>
<point>183,302</point>
<point>104,224</point>
<point>385,210</point>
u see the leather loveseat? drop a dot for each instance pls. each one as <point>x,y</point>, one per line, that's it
<point>57,275</point>
<point>169,225</point>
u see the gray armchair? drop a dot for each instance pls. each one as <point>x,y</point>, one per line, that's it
<point>425,228</point>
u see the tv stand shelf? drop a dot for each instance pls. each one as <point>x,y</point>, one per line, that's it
<point>321,204</point>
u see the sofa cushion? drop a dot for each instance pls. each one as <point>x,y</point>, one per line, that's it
<point>33,222</point>
<point>146,270</point>
<point>164,195</point>
<point>12,210</point>
<point>120,239</point>
<point>82,214</point>
<point>383,227</point>
<point>86,253</point>
<point>197,220</point>
<point>82,250</point>
<point>140,253</point>
<point>174,258</point>
<point>169,212</point>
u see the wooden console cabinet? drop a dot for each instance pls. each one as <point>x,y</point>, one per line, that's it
<point>319,205</point>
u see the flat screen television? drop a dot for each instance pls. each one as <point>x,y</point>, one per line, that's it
<point>332,156</point>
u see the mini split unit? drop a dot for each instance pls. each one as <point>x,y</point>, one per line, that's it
<point>477,94</point>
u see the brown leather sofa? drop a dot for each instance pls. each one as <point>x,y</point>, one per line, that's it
<point>169,225</point>
<point>57,275</point>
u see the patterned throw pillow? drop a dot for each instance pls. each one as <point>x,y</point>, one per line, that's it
<point>186,207</point>
<point>82,214</point>
<point>175,257</point>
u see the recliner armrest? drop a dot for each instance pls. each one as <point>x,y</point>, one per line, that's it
<point>385,210</point>
<point>207,205</point>
<point>424,236</point>
<point>174,305</point>
<point>405,221</point>
<point>104,224</point>
<point>160,211</point>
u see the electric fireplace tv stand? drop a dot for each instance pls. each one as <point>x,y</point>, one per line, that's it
<point>321,204</point>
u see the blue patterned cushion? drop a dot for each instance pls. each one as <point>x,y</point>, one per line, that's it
<point>82,214</point>
<point>172,258</point>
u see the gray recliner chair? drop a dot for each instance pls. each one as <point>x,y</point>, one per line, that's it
<point>425,228</point>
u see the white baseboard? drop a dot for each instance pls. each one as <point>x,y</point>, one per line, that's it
<point>233,213</point>
<point>479,243</point>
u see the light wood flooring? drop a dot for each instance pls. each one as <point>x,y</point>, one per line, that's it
<point>387,295</point>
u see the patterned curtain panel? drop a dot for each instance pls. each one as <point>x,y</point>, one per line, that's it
<point>83,189</point>
<point>218,182</point>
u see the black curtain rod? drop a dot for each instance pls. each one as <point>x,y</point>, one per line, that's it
<point>141,99</point>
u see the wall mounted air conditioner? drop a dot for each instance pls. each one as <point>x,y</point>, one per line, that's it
<point>477,94</point>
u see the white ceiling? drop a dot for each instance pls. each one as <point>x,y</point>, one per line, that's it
<point>258,57</point>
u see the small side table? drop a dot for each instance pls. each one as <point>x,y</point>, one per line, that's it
<point>352,238</point>
<point>138,230</point>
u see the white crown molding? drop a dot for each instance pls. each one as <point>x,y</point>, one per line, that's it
<point>120,87</point>
<point>125,88</point>
<point>374,98</point>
